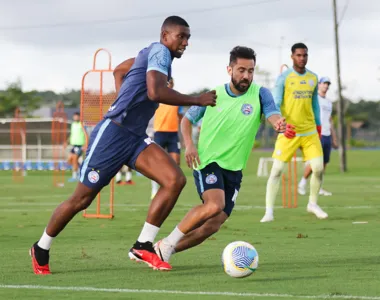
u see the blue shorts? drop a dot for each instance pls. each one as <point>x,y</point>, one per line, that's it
<point>214,177</point>
<point>77,150</point>
<point>326,147</point>
<point>111,146</point>
<point>168,141</point>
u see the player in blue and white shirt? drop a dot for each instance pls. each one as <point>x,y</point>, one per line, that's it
<point>120,139</point>
<point>328,138</point>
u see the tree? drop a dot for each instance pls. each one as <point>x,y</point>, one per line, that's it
<point>14,97</point>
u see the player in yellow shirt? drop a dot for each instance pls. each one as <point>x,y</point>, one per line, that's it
<point>296,94</point>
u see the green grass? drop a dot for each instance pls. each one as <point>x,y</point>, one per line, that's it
<point>335,257</point>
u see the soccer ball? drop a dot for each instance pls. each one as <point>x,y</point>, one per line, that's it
<point>240,259</point>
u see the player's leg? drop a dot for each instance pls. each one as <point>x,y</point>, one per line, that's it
<point>96,173</point>
<point>159,139</point>
<point>231,183</point>
<point>79,200</point>
<point>75,161</point>
<point>200,234</point>
<point>303,182</point>
<point>210,186</point>
<point>128,176</point>
<point>70,161</point>
<point>312,152</point>
<point>174,147</point>
<point>119,177</point>
<point>154,163</point>
<point>283,152</point>
<point>326,147</point>
<point>213,204</point>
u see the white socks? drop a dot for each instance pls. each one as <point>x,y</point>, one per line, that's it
<point>316,165</point>
<point>75,174</point>
<point>128,176</point>
<point>303,182</point>
<point>175,236</point>
<point>273,184</point>
<point>45,241</point>
<point>148,233</point>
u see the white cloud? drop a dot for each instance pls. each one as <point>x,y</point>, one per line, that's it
<point>56,57</point>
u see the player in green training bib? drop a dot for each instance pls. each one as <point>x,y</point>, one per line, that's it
<point>226,139</point>
<point>77,141</point>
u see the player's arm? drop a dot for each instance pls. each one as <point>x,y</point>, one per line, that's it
<point>159,62</point>
<point>278,92</point>
<point>192,116</point>
<point>316,110</point>
<point>273,115</point>
<point>120,71</point>
<point>181,113</point>
<point>334,137</point>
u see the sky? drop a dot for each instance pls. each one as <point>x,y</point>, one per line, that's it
<point>49,45</point>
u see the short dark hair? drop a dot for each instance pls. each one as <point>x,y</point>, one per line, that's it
<point>174,20</point>
<point>298,46</point>
<point>77,113</point>
<point>242,52</point>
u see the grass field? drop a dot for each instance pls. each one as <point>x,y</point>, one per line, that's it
<point>334,259</point>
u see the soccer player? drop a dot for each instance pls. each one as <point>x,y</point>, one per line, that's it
<point>120,139</point>
<point>77,140</point>
<point>297,97</point>
<point>328,138</point>
<point>226,140</point>
<point>166,125</point>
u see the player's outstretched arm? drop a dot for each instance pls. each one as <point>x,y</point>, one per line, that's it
<point>279,124</point>
<point>193,116</point>
<point>120,72</point>
<point>273,115</point>
<point>159,92</point>
<point>191,153</point>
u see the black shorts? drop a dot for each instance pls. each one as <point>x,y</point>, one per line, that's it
<point>110,148</point>
<point>168,141</point>
<point>214,177</point>
<point>77,150</point>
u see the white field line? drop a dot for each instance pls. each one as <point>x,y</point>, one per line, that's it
<point>175,292</point>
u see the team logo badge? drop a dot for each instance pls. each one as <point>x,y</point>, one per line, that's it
<point>93,177</point>
<point>247,109</point>
<point>311,82</point>
<point>211,179</point>
<point>303,82</point>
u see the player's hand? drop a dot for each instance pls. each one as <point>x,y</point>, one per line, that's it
<point>207,99</point>
<point>319,130</point>
<point>280,125</point>
<point>290,132</point>
<point>192,157</point>
<point>335,144</point>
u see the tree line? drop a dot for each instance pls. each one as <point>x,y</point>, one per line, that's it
<point>14,96</point>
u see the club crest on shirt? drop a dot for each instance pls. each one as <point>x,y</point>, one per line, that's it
<point>246,109</point>
<point>211,179</point>
<point>93,177</point>
<point>311,82</point>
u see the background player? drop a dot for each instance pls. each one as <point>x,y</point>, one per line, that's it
<point>328,138</point>
<point>166,125</point>
<point>120,139</point>
<point>128,176</point>
<point>225,143</point>
<point>296,95</point>
<point>77,141</point>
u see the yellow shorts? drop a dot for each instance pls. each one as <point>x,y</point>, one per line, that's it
<point>285,148</point>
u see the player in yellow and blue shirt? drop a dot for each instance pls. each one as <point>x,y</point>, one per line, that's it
<point>296,95</point>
